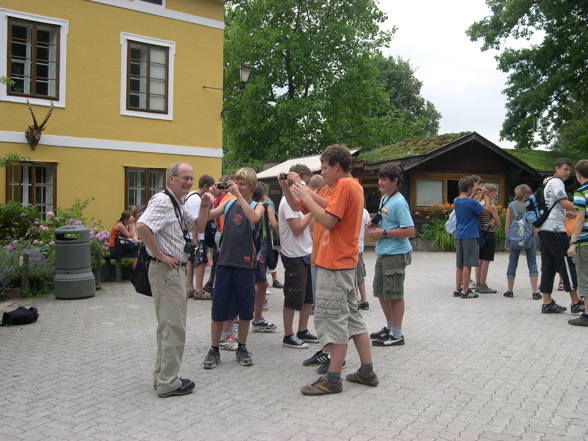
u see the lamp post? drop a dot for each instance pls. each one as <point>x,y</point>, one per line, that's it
<point>244,73</point>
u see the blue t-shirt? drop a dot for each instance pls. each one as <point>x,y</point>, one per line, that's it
<point>467,211</point>
<point>395,214</point>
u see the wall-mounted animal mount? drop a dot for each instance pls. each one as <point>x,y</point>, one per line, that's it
<point>33,133</point>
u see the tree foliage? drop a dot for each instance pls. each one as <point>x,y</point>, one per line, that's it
<point>545,79</point>
<point>315,80</point>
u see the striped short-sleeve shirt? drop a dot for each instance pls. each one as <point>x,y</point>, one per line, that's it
<point>161,219</point>
<point>581,204</point>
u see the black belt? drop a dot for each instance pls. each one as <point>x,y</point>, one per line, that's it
<point>159,261</point>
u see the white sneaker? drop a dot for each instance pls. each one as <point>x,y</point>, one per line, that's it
<point>228,344</point>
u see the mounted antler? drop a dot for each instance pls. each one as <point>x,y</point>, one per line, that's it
<point>33,133</point>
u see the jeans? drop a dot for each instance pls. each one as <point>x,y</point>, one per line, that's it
<point>513,260</point>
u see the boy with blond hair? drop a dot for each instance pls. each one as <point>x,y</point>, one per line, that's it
<point>234,285</point>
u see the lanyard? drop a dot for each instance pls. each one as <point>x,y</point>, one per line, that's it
<point>385,201</point>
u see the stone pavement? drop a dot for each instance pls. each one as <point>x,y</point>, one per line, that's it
<point>480,369</point>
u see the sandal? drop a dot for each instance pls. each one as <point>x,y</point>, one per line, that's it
<point>191,293</point>
<point>202,295</point>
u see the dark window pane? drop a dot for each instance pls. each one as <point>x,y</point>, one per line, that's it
<point>18,85</point>
<point>43,36</point>
<point>42,53</point>
<point>135,69</point>
<point>42,71</point>
<point>42,88</point>
<point>134,100</point>
<point>135,85</point>
<point>17,69</point>
<point>19,50</point>
<point>19,31</point>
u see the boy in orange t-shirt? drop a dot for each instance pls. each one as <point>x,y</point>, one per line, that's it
<point>337,318</point>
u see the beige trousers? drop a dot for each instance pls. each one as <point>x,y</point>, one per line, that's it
<point>170,300</point>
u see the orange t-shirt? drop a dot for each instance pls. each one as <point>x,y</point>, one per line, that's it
<point>338,247</point>
<point>317,229</point>
<point>221,218</point>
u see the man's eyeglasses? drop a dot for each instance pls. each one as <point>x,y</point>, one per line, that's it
<point>185,178</point>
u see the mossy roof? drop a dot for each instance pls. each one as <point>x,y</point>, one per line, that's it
<point>543,160</point>
<point>410,147</point>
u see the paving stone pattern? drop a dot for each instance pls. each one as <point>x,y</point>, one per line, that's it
<point>472,369</point>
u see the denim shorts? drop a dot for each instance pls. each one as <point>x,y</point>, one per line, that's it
<point>233,293</point>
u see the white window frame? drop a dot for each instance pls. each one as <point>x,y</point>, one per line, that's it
<point>64,28</point>
<point>124,43</point>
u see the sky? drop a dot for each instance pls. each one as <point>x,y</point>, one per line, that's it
<point>461,81</point>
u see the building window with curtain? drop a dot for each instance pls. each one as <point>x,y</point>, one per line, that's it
<point>147,73</point>
<point>33,59</point>
<point>141,184</point>
<point>30,183</point>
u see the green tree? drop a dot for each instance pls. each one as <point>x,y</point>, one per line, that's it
<point>546,79</point>
<point>572,136</point>
<point>404,91</point>
<point>315,81</point>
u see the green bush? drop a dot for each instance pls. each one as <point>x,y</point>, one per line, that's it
<point>434,230</point>
<point>16,222</point>
<point>41,273</point>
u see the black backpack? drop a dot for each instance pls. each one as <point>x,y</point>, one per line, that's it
<point>20,316</point>
<point>537,211</point>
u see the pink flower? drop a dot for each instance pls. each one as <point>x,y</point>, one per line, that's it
<point>50,213</point>
<point>52,243</point>
<point>38,242</point>
<point>44,228</point>
<point>23,214</point>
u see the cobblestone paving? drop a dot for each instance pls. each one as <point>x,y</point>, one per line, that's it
<point>477,369</point>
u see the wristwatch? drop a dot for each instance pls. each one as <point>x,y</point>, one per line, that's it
<point>384,234</point>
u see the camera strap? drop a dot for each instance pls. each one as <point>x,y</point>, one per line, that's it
<point>385,201</point>
<point>178,213</point>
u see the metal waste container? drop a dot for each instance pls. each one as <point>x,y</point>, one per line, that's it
<point>73,264</point>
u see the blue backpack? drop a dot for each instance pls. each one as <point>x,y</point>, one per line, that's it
<point>520,232</point>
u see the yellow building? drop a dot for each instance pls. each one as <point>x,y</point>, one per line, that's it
<point>126,81</point>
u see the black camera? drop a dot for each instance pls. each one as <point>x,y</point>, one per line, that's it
<point>377,219</point>
<point>222,185</point>
<point>190,250</point>
<point>283,176</point>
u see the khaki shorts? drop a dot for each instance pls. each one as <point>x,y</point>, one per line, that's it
<point>336,317</point>
<point>360,270</point>
<point>389,276</point>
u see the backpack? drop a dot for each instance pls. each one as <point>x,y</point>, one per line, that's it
<point>451,223</point>
<point>20,316</point>
<point>537,211</point>
<point>519,233</point>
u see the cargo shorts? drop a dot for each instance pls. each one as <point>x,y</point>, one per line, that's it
<point>336,316</point>
<point>389,276</point>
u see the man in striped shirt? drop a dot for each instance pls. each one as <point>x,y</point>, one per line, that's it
<point>579,241</point>
<point>163,226</point>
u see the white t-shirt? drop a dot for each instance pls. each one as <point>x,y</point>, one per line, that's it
<point>292,245</point>
<point>554,191</point>
<point>192,204</point>
<point>365,219</point>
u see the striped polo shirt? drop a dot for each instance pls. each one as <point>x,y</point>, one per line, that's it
<point>161,219</point>
<point>581,204</point>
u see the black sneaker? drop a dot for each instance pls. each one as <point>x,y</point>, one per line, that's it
<point>363,305</point>
<point>307,337</point>
<point>582,320</point>
<point>389,341</point>
<point>536,296</point>
<point>277,285</point>
<point>208,288</point>
<point>382,333</point>
<point>211,359</point>
<point>291,341</point>
<point>457,293</point>
<point>244,356</point>
<point>186,388</point>
<point>324,367</point>
<point>552,308</point>
<point>577,307</point>
<point>317,358</point>
<point>508,294</point>
<point>469,294</point>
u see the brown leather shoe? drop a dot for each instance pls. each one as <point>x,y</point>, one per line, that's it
<point>370,379</point>
<point>322,386</point>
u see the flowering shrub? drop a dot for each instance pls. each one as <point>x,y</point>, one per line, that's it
<point>432,225</point>
<point>23,229</point>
